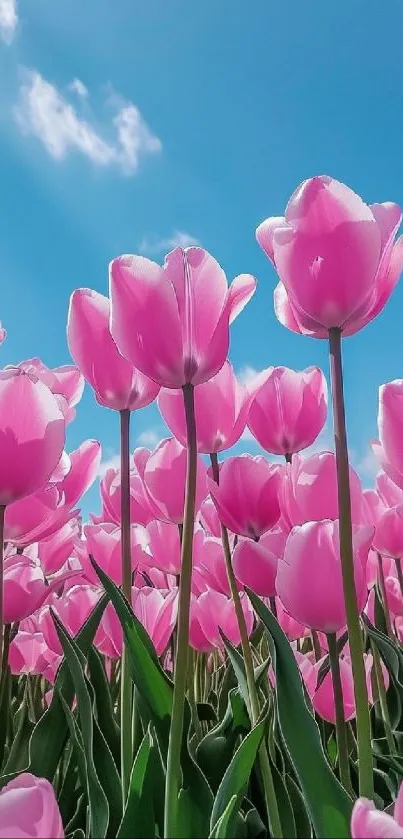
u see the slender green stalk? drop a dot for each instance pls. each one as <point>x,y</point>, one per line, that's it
<point>382,699</point>
<point>316,645</point>
<point>398,563</point>
<point>192,697</point>
<point>2,514</point>
<point>126,690</point>
<point>269,791</point>
<point>173,774</point>
<point>365,761</point>
<point>382,586</point>
<point>341,732</point>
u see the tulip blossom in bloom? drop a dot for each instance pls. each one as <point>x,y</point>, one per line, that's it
<point>141,510</point>
<point>255,563</point>
<point>25,587</point>
<point>389,449</point>
<point>208,518</point>
<point>388,537</point>
<point>157,610</point>
<point>212,611</point>
<point>37,516</point>
<point>309,490</point>
<point>247,496</point>
<point>32,434</point>
<point>65,382</point>
<point>28,808</point>
<point>164,546</point>
<point>164,479</point>
<point>209,570</point>
<point>369,823</point>
<point>221,408</point>
<point>85,462</point>
<point>309,580</point>
<point>172,322</point>
<point>116,383</point>
<point>56,549</point>
<point>336,257</point>
<point>288,409</point>
<point>104,544</point>
<point>72,609</point>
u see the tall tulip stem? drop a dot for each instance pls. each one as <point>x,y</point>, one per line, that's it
<point>270,795</point>
<point>365,762</point>
<point>341,731</point>
<point>126,690</point>
<point>173,779</point>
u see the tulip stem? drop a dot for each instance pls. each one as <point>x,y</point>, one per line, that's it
<point>382,586</point>
<point>398,563</point>
<point>173,773</point>
<point>365,761</point>
<point>316,645</point>
<point>2,514</point>
<point>126,691</point>
<point>341,732</point>
<point>380,684</point>
<point>269,791</point>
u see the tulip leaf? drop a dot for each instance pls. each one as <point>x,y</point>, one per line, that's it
<point>215,751</point>
<point>327,802</point>
<point>221,828</point>
<point>138,819</point>
<point>103,704</point>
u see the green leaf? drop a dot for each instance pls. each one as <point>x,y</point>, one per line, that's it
<point>139,820</point>
<point>18,756</point>
<point>221,828</point>
<point>284,804</point>
<point>238,772</point>
<point>215,751</point>
<point>328,804</point>
<point>103,704</point>
<point>301,818</point>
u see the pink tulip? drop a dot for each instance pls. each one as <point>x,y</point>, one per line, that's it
<point>221,407</point>
<point>372,507</point>
<point>309,580</point>
<point>164,479</point>
<point>209,570</point>
<point>164,545</point>
<point>320,287</point>
<point>109,636</point>
<point>25,588</point>
<point>288,409</point>
<point>57,548</point>
<point>390,494</point>
<point>36,517</point>
<point>72,608</point>
<point>172,322</point>
<point>255,563</point>
<point>32,434</point>
<point>388,538</point>
<point>309,490</point>
<point>157,611</point>
<point>104,544</point>
<point>208,518</point>
<point>65,382</point>
<point>292,628</point>
<point>369,823</point>
<point>85,462</point>
<point>116,383</point>
<point>247,495</point>
<point>389,449</point>
<point>141,510</point>
<point>28,808</point>
<point>212,611</point>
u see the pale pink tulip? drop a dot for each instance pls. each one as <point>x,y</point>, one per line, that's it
<point>209,570</point>
<point>36,517</point>
<point>247,496</point>
<point>172,322</point>
<point>255,563</point>
<point>208,518</point>
<point>309,490</point>
<point>212,611</point>
<point>388,537</point>
<point>389,449</point>
<point>57,548</point>
<point>336,257</point>
<point>32,434</point>
<point>115,381</point>
<point>165,547</point>
<point>104,544</point>
<point>221,408</point>
<point>309,581</point>
<point>369,823</point>
<point>157,611</point>
<point>25,587</point>
<point>28,808</point>
<point>390,494</point>
<point>65,382</point>
<point>292,628</point>
<point>288,409</point>
<point>141,510</point>
<point>73,609</point>
<point>85,462</point>
<point>164,478</point>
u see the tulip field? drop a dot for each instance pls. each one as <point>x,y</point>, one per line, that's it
<point>219,652</point>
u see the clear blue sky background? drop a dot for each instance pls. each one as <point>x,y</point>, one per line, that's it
<point>247,100</point>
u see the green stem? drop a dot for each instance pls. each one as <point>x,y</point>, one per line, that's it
<point>382,699</point>
<point>316,645</point>
<point>126,695</point>
<point>173,773</point>
<point>2,513</point>
<point>365,761</point>
<point>192,696</point>
<point>341,733</point>
<point>382,586</point>
<point>270,795</point>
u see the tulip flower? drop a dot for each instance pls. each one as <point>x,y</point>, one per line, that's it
<point>369,823</point>
<point>141,510</point>
<point>390,427</point>
<point>255,563</point>
<point>309,580</point>
<point>85,462</point>
<point>213,611</point>
<point>28,807</point>
<point>164,545</point>
<point>72,609</point>
<point>336,257</point>
<point>116,383</point>
<point>164,479</point>
<point>221,407</point>
<point>388,537</point>
<point>65,382</point>
<point>56,549</point>
<point>389,493</point>
<point>247,496</point>
<point>209,570</point>
<point>288,409</point>
<point>104,544</point>
<point>309,490</point>
<point>208,518</point>
<point>36,517</point>
<point>157,611</point>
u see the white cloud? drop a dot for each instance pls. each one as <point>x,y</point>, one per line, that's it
<point>148,438</point>
<point>152,245</point>
<point>78,87</point>
<point>8,20</point>
<point>368,467</point>
<point>246,374</point>
<point>112,462</point>
<point>45,113</point>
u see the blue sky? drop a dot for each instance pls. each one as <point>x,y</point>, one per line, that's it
<point>127,125</point>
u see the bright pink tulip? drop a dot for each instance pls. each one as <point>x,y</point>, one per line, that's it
<point>109,636</point>
<point>322,696</point>
<point>116,383</point>
<point>36,517</point>
<point>85,462</point>
<point>320,287</point>
<point>390,494</point>
<point>309,580</point>
<point>72,608</point>
<point>209,520</point>
<point>164,478</point>
<point>173,322</point>
<point>25,587</point>
<point>255,563</point>
<point>247,495</point>
<point>388,538</point>
<point>141,510</point>
<point>221,407</point>
<point>28,808</point>
<point>372,507</point>
<point>29,654</point>
<point>104,544</point>
<point>309,490</point>
<point>57,548</point>
<point>66,382</point>
<point>292,628</point>
<point>209,570</point>
<point>288,409</point>
<point>369,823</point>
<point>32,434</point>
<point>389,449</point>
<point>165,546</point>
<point>157,611</point>
<point>212,611</point>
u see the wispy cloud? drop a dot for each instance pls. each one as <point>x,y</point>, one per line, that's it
<point>148,438</point>
<point>8,20</point>
<point>112,462</point>
<point>153,245</point>
<point>44,112</point>
<point>368,467</point>
<point>246,374</point>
